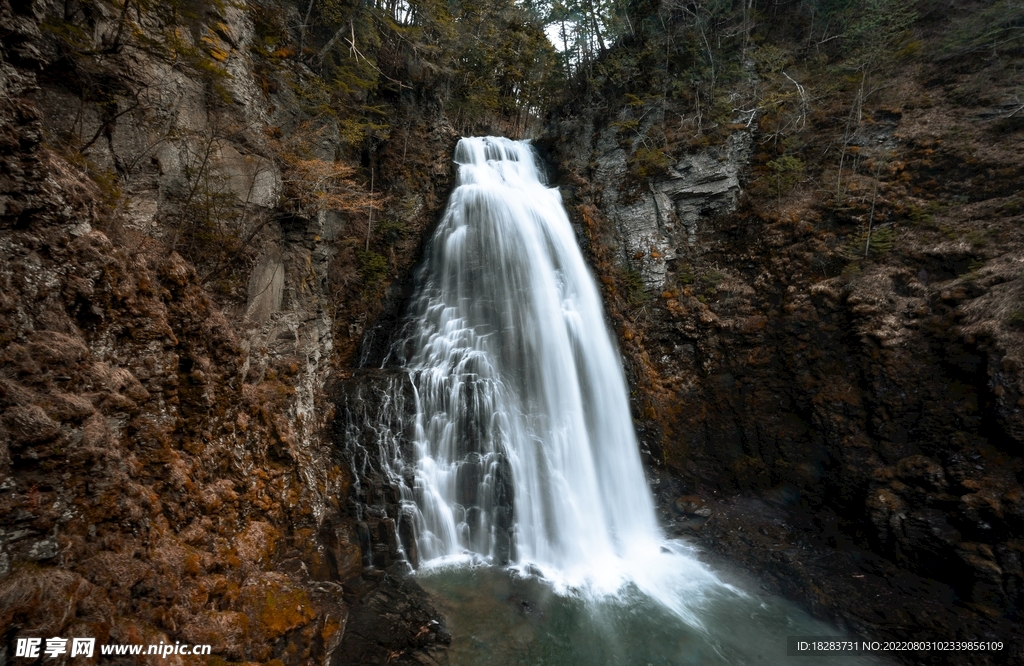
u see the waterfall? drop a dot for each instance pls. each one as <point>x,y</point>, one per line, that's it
<point>526,452</point>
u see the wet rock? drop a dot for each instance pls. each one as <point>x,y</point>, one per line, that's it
<point>389,537</point>
<point>344,549</point>
<point>504,547</point>
<point>691,505</point>
<point>407,534</point>
<point>390,621</point>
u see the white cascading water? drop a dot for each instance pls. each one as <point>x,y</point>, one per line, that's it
<point>526,452</point>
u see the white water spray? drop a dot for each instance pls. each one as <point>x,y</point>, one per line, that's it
<point>526,452</point>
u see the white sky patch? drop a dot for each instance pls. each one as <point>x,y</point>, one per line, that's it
<point>554,34</point>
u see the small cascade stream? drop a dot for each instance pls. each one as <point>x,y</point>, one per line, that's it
<point>527,491</point>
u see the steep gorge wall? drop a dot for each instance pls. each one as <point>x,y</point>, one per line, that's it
<point>178,288</point>
<point>851,425</point>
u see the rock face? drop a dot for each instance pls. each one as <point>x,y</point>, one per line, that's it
<point>873,405</point>
<point>663,225</point>
<point>138,465</point>
<point>167,468</point>
<point>370,431</point>
<point>657,221</point>
<point>185,456</point>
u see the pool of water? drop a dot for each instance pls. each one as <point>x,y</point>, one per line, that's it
<point>499,617</point>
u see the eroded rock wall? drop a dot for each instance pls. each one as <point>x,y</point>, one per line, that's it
<point>173,303</point>
<point>832,407</point>
<point>656,221</point>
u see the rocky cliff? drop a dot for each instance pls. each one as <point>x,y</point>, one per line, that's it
<point>188,253</point>
<point>838,409</point>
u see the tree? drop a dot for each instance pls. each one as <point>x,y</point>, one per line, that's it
<point>876,29</point>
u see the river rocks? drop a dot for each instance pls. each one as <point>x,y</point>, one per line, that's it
<point>390,621</point>
<point>691,505</point>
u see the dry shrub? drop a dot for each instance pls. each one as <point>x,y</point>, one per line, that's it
<point>313,183</point>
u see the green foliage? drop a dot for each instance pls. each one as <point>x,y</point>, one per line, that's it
<point>771,59</point>
<point>633,287</point>
<point>584,28</point>
<point>71,37</point>
<point>712,278</point>
<point>876,31</point>
<point>883,240</point>
<point>481,60</point>
<point>270,32</point>
<point>977,238</point>
<point>667,59</point>
<point>685,274</point>
<point>648,163</point>
<point>787,171</point>
<point>923,216</point>
<point>1012,206</point>
<point>368,122</point>
<point>873,33</point>
<point>626,127</point>
<point>870,31</point>
<point>314,95</point>
<point>391,230</point>
<point>998,27</point>
<point>949,232</point>
<point>505,63</point>
<point>373,268</point>
<point>851,272</point>
<point>343,44</point>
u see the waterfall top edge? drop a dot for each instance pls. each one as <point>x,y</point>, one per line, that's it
<point>501,155</point>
